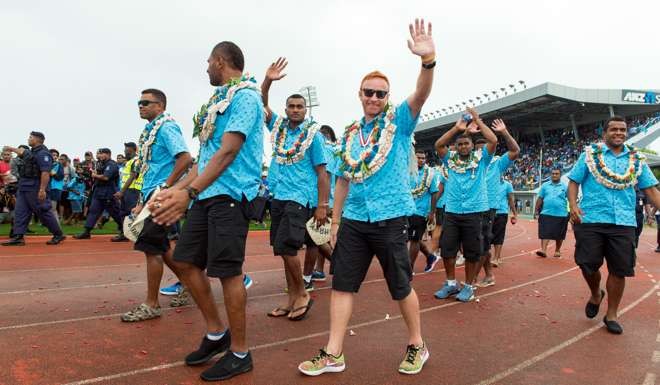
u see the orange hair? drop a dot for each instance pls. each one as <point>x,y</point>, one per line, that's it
<point>375,75</point>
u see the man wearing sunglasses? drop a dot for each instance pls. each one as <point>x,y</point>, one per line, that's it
<point>168,160</point>
<point>372,203</point>
<point>302,192</point>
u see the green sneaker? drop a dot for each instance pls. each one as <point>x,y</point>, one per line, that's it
<point>416,356</point>
<point>323,363</point>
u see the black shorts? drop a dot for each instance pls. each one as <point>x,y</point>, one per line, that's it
<point>288,230</point>
<point>552,227</point>
<point>499,229</point>
<point>439,216</point>
<point>213,236</point>
<point>416,227</point>
<point>153,238</point>
<point>468,230</point>
<point>614,243</point>
<point>358,242</point>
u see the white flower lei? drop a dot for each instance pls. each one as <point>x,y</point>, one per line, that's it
<point>278,139</point>
<point>605,176</point>
<point>459,166</point>
<point>368,163</point>
<point>424,182</point>
<point>147,139</point>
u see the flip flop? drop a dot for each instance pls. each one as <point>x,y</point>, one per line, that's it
<point>612,326</point>
<point>541,254</point>
<point>285,312</point>
<point>302,316</point>
<point>591,309</point>
<point>557,255</point>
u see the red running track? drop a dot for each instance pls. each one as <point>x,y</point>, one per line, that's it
<point>61,305</point>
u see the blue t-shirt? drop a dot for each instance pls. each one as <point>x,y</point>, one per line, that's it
<point>76,189</point>
<point>601,204</point>
<point>245,116</point>
<point>555,199</point>
<point>385,194</point>
<point>504,189</point>
<point>168,144</point>
<point>423,202</point>
<point>298,182</point>
<point>331,157</point>
<point>466,192</point>
<point>497,167</point>
<point>441,181</point>
<point>44,161</point>
<point>54,183</point>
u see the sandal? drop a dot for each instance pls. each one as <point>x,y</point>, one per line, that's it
<point>557,254</point>
<point>284,312</point>
<point>541,254</point>
<point>302,316</point>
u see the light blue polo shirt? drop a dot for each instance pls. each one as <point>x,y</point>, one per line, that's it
<point>168,144</point>
<point>504,189</point>
<point>423,202</point>
<point>443,198</point>
<point>298,182</point>
<point>245,115</point>
<point>496,168</point>
<point>331,165</point>
<point>385,194</point>
<point>555,199</point>
<point>467,192</point>
<point>604,205</point>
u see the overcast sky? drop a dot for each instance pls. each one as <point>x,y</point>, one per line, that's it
<point>75,69</point>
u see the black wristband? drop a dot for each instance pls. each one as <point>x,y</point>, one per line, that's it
<point>429,66</point>
<point>192,193</point>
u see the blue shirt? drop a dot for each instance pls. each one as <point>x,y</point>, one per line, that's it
<point>76,189</point>
<point>466,192</point>
<point>385,194</point>
<point>44,162</point>
<point>298,182</point>
<point>555,199</point>
<point>493,178</point>
<point>54,183</point>
<point>245,116</point>
<point>423,202</point>
<point>168,144</point>
<point>504,189</point>
<point>605,205</point>
<point>443,198</point>
<point>331,165</point>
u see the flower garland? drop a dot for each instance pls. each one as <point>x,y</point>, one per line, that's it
<point>423,183</point>
<point>147,140</point>
<point>605,176</point>
<point>297,151</point>
<point>459,166</point>
<point>204,119</point>
<point>443,171</point>
<point>376,147</point>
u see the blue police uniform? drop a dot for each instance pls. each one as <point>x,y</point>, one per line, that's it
<point>103,197</point>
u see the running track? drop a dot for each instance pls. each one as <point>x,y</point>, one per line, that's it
<point>60,325</point>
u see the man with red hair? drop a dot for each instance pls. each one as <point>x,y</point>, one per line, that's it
<point>372,202</point>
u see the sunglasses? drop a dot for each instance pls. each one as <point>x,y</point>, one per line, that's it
<point>368,92</point>
<point>145,103</point>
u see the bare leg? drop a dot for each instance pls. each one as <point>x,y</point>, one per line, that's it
<point>154,276</point>
<point>593,280</point>
<point>544,245</point>
<point>235,298</point>
<point>341,308</point>
<point>311,254</point>
<point>410,310</point>
<point>450,267</point>
<point>615,286</point>
<point>200,288</point>
<point>297,295</point>
<point>471,271</point>
<point>558,243</point>
<point>413,250</point>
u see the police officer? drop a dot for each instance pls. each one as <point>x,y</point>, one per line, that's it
<point>32,196</point>
<point>106,178</point>
<point>131,184</point>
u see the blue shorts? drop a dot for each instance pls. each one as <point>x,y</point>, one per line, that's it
<point>55,195</point>
<point>76,207</point>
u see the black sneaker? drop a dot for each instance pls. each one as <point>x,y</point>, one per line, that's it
<point>83,235</point>
<point>14,241</point>
<point>119,238</point>
<point>56,239</point>
<point>227,367</point>
<point>208,349</point>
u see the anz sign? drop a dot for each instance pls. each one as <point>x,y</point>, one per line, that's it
<point>645,97</point>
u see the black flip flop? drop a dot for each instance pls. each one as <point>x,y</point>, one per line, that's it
<point>591,310</point>
<point>302,316</point>
<point>612,326</point>
<point>286,313</point>
<point>541,254</point>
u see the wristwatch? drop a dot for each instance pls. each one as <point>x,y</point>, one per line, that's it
<point>429,66</point>
<point>192,193</point>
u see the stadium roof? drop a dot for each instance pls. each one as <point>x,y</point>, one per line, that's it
<point>549,106</point>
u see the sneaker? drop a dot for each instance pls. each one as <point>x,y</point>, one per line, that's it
<point>181,299</point>
<point>447,291</point>
<point>247,281</point>
<point>141,312</point>
<point>14,241</point>
<point>309,286</point>
<point>486,282</point>
<point>227,367</point>
<point>466,294</point>
<point>119,238</point>
<point>174,289</point>
<point>416,356</point>
<point>657,249</point>
<point>430,262</point>
<point>83,235</point>
<point>323,363</point>
<point>56,239</point>
<point>460,260</point>
<point>209,349</point>
<point>318,276</point>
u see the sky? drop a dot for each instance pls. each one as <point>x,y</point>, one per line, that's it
<point>74,69</point>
